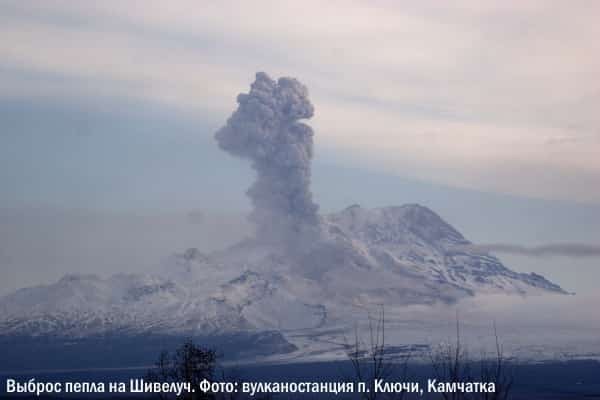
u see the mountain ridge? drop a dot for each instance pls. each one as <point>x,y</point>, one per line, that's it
<point>396,256</point>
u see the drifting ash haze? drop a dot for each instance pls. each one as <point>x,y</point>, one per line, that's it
<point>305,278</point>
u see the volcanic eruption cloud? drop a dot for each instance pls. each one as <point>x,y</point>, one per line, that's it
<point>266,129</point>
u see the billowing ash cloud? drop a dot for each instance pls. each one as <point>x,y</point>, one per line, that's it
<point>266,130</point>
<point>554,249</point>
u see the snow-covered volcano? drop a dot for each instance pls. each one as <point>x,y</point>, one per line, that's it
<point>396,256</point>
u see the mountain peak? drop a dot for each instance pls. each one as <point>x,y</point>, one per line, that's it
<point>396,224</point>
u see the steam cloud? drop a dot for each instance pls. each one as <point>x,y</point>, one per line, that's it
<point>554,249</point>
<point>266,130</point>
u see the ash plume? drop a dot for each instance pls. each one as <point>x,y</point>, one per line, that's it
<point>266,130</point>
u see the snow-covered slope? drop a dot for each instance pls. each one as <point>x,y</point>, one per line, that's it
<point>395,256</point>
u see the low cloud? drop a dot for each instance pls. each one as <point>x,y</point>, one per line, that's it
<point>546,250</point>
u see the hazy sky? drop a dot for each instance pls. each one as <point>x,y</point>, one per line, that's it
<point>496,95</point>
<point>112,106</point>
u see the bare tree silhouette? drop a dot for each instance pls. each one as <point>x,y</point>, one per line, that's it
<point>370,362</point>
<point>451,363</point>
<point>188,364</point>
<point>496,370</point>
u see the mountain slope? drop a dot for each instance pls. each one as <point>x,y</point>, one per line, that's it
<point>395,256</point>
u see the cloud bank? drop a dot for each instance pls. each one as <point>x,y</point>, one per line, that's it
<point>547,250</point>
